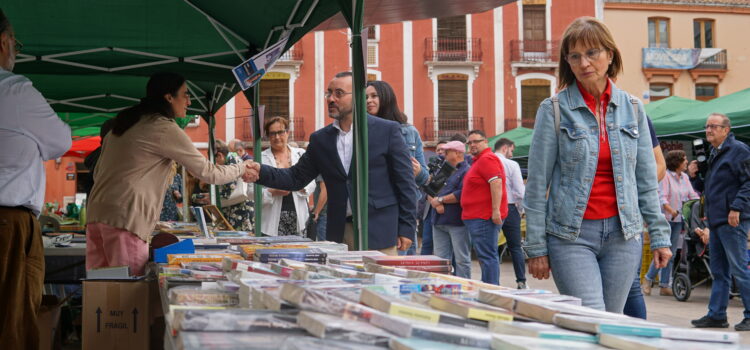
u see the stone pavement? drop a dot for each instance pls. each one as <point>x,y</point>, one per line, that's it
<point>660,309</point>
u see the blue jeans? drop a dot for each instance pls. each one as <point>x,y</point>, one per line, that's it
<point>665,273</point>
<point>512,232</point>
<point>453,241</point>
<point>483,234</point>
<point>728,259</point>
<point>427,243</point>
<point>321,228</point>
<point>635,306</point>
<point>598,266</point>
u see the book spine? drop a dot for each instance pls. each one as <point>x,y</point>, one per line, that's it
<point>586,338</point>
<point>409,262</point>
<point>414,313</point>
<point>651,332</point>
<point>452,338</point>
<point>462,322</point>
<point>488,315</point>
<point>692,334</point>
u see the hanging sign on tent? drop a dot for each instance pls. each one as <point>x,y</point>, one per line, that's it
<point>249,72</point>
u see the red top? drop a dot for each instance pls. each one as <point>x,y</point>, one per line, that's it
<point>603,199</point>
<point>476,199</point>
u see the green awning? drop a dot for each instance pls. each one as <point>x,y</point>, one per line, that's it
<point>669,106</point>
<point>520,136</point>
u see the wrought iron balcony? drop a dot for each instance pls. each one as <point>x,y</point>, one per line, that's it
<point>453,49</point>
<point>447,127</point>
<point>535,51</point>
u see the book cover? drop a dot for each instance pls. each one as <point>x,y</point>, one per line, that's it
<point>421,344</point>
<point>316,300</point>
<point>625,342</point>
<point>469,309</point>
<point>407,328</point>
<point>629,326</point>
<point>232,320</point>
<point>406,260</point>
<point>545,310</point>
<point>336,328</point>
<point>516,342</point>
<point>507,298</point>
<point>539,330</point>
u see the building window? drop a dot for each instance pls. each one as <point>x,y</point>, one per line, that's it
<point>533,92</point>
<point>274,94</point>
<point>373,38</point>
<point>534,23</point>
<point>453,104</point>
<point>703,33</point>
<point>657,92</point>
<point>706,92</point>
<point>451,27</point>
<point>658,32</point>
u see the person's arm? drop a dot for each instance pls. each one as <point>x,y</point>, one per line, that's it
<point>294,178</point>
<point>496,190</point>
<point>322,200</point>
<point>402,179</point>
<point>648,196</point>
<point>516,181</point>
<point>741,201</point>
<point>38,121</point>
<point>661,164</point>
<point>176,145</point>
<point>422,177</point>
<point>310,187</point>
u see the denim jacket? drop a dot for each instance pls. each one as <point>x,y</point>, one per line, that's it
<point>565,164</point>
<point>414,143</point>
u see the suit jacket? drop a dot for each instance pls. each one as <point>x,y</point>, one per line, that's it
<point>392,194</point>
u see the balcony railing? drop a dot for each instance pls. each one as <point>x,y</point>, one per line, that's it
<point>297,132</point>
<point>293,54</point>
<point>666,58</point>
<point>447,127</point>
<point>453,49</point>
<point>535,51</point>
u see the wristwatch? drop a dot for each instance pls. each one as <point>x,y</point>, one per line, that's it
<point>440,199</point>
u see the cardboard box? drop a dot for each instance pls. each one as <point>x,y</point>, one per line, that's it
<point>116,314</point>
<point>48,321</point>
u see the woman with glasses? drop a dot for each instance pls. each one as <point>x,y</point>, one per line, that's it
<point>382,102</point>
<point>134,170</point>
<point>592,177</point>
<point>284,213</point>
<point>674,189</point>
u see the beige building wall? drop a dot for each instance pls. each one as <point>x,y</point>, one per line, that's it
<point>629,26</point>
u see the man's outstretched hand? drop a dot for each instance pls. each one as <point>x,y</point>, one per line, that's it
<point>252,171</point>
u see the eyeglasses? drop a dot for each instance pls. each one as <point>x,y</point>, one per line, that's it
<point>338,93</point>
<point>714,126</point>
<point>591,55</point>
<point>18,46</point>
<point>276,133</point>
<point>474,142</point>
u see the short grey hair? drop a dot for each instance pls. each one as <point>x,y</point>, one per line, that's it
<point>724,119</point>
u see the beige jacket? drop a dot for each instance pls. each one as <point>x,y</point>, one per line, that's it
<point>135,169</point>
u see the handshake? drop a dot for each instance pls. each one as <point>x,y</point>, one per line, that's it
<point>252,171</point>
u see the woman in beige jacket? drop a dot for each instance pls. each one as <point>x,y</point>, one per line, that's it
<point>134,170</point>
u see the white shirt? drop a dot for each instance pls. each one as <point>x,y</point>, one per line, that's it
<point>30,133</point>
<point>345,148</point>
<point>513,180</point>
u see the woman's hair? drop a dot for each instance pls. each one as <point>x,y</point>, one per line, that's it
<point>158,85</point>
<point>284,122</point>
<point>388,107</point>
<point>592,33</point>
<point>674,159</point>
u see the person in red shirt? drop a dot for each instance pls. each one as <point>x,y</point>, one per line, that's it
<point>484,204</point>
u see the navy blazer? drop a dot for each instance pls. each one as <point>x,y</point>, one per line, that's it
<point>392,193</point>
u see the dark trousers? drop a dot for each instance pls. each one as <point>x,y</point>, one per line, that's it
<point>512,232</point>
<point>427,245</point>
<point>21,278</point>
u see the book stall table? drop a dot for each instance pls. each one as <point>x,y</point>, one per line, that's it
<point>265,294</point>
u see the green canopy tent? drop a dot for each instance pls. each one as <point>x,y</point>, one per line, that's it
<point>96,56</point>
<point>689,123</point>
<point>520,136</point>
<point>669,106</point>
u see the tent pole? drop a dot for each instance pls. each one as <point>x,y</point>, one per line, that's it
<point>253,95</point>
<point>361,157</point>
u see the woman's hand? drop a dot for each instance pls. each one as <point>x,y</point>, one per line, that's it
<point>416,167</point>
<point>661,257</point>
<point>704,234</point>
<point>539,267</point>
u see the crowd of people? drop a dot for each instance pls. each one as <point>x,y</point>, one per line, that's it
<point>594,182</point>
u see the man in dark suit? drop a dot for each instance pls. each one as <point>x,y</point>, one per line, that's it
<point>392,195</point>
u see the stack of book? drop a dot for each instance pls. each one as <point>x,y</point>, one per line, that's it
<point>267,255</point>
<point>426,263</point>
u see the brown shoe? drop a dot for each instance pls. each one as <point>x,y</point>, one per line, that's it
<point>667,292</point>
<point>646,287</point>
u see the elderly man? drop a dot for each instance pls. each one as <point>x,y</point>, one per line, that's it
<point>238,147</point>
<point>30,133</point>
<point>448,231</point>
<point>726,187</point>
<point>392,202</point>
<point>512,225</point>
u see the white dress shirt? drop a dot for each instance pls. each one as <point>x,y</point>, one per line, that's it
<point>513,180</point>
<point>30,133</point>
<point>345,148</point>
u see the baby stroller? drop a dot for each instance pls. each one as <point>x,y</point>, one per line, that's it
<point>691,261</point>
